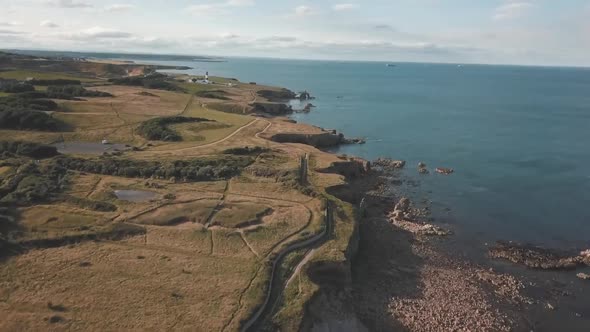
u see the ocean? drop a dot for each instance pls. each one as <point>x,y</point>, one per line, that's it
<point>518,137</point>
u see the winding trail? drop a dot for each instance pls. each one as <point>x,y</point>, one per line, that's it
<point>306,258</point>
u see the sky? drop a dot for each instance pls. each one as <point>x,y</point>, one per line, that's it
<point>531,32</point>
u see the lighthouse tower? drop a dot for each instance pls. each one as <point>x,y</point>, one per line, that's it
<point>207,76</point>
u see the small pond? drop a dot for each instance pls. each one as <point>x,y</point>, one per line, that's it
<point>136,196</point>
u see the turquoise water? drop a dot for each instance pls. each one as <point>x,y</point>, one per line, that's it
<point>518,137</point>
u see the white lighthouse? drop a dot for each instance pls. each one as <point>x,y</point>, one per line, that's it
<point>207,76</point>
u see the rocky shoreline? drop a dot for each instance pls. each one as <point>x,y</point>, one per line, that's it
<point>407,275</point>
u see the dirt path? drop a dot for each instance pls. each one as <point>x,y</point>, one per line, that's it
<point>306,258</point>
<point>94,187</point>
<point>241,232</point>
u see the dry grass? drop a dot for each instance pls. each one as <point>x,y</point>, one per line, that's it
<point>5,169</point>
<point>241,214</point>
<point>24,74</point>
<point>121,286</point>
<point>57,219</point>
<point>196,212</point>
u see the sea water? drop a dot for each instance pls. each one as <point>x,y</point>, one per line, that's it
<point>518,137</point>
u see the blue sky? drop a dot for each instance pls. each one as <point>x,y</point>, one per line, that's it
<point>538,32</point>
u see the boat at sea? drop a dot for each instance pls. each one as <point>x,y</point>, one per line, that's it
<point>390,65</point>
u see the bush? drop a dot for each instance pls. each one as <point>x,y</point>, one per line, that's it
<point>28,149</point>
<point>26,120</point>
<point>25,113</point>
<point>191,170</point>
<point>152,81</point>
<point>55,82</point>
<point>245,151</point>
<point>14,86</point>
<point>73,91</point>
<point>32,184</point>
<point>157,129</point>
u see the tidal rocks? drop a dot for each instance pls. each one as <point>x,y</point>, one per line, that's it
<point>536,257</point>
<point>308,107</point>
<point>402,216</point>
<point>445,171</point>
<point>354,140</point>
<point>304,96</point>
<point>422,168</point>
<point>389,163</point>
<point>583,276</point>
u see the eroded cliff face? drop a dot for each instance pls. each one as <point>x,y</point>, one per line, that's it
<point>272,108</point>
<point>332,306</point>
<point>351,168</point>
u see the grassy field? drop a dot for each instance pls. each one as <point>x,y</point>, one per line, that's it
<point>24,74</point>
<point>199,253</point>
<point>241,214</point>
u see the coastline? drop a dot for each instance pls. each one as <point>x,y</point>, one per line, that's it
<point>375,261</point>
<point>417,276</point>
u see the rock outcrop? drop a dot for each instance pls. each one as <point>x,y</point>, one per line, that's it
<point>537,257</point>
<point>445,171</point>
<point>389,163</point>
<point>277,95</point>
<point>422,168</point>
<point>272,108</point>
<point>351,168</point>
<point>404,217</point>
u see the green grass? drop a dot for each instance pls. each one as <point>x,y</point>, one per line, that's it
<point>5,94</point>
<point>24,74</point>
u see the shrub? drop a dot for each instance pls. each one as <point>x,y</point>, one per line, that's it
<point>152,81</point>
<point>21,112</point>
<point>55,82</point>
<point>191,170</point>
<point>246,150</point>
<point>73,91</point>
<point>14,86</point>
<point>28,149</point>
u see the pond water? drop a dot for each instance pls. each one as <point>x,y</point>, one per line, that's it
<point>136,196</point>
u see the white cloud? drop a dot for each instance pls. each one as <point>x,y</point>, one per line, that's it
<point>344,6</point>
<point>119,7</point>
<point>8,24</point>
<point>49,24</point>
<point>97,32</point>
<point>512,10</point>
<point>10,32</point>
<point>217,8</point>
<point>240,3</point>
<point>303,11</point>
<point>69,3</point>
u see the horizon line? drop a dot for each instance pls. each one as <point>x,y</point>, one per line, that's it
<point>300,59</point>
